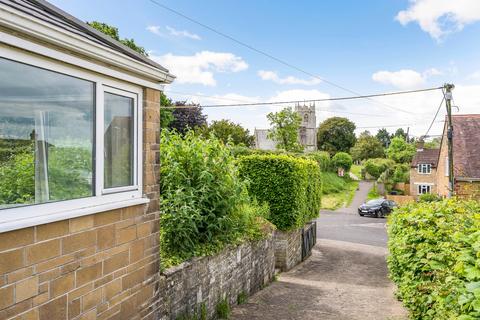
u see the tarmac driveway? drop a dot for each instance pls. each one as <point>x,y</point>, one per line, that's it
<point>345,278</point>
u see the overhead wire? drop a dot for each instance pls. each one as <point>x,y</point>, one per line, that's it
<point>436,114</point>
<point>268,55</point>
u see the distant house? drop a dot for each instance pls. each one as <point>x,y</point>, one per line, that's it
<point>466,157</point>
<point>423,171</point>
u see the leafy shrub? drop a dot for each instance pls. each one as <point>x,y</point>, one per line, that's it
<point>323,160</point>
<point>291,186</point>
<point>342,160</point>
<point>375,167</point>
<point>401,173</point>
<point>435,258</point>
<point>429,197</point>
<point>204,203</point>
<point>17,179</point>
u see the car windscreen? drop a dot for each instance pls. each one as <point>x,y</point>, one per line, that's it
<point>376,202</point>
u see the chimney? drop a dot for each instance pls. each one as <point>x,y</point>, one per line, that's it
<point>420,144</point>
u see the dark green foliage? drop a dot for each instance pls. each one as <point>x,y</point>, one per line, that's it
<point>367,147</point>
<point>229,132</point>
<point>242,298</point>
<point>291,186</point>
<point>435,258</point>
<point>166,115</point>
<point>323,160</point>
<point>342,160</point>
<point>204,203</point>
<point>401,173</point>
<point>384,137</point>
<point>400,151</point>
<point>223,309</point>
<point>113,33</point>
<point>375,167</point>
<point>190,117</point>
<point>336,134</point>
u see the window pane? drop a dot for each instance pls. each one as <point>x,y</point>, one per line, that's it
<point>118,141</point>
<point>46,135</point>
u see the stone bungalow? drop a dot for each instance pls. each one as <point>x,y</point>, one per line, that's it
<point>79,144</point>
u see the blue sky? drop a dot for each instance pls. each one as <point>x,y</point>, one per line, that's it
<point>365,46</point>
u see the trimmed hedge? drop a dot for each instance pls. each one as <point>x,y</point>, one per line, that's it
<point>435,258</point>
<point>291,186</point>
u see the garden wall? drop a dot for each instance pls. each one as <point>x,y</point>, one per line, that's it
<point>238,271</point>
<point>288,247</point>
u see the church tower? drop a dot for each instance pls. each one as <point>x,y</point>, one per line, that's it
<point>308,127</point>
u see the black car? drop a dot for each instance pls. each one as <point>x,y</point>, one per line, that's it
<point>377,208</point>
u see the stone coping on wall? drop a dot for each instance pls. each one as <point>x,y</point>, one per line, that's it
<point>204,282</point>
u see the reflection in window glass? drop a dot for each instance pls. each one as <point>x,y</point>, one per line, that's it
<point>118,141</point>
<point>46,135</point>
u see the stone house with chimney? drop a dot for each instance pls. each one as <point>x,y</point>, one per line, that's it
<point>79,166</point>
<point>429,169</point>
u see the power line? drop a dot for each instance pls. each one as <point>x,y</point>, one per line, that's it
<point>285,63</point>
<point>436,113</point>
<point>250,104</point>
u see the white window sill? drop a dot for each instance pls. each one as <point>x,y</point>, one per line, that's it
<point>20,223</point>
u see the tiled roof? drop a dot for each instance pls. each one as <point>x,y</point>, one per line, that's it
<point>45,11</point>
<point>429,156</point>
<point>466,145</point>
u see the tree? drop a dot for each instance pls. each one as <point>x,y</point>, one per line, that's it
<point>384,137</point>
<point>190,117</point>
<point>113,32</point>
<point>433,144</point>
<point>336,134</point>
<point>285,125</point>
<point>342,160</point>
<point>166,115</point>
<point>226,130</point>
<point>367,147</point>
<point>400,151</point>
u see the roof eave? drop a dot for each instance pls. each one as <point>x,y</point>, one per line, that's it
<point>62,39</point>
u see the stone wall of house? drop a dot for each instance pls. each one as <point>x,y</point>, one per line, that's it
<point>442,177</point>
<point>99,266</point>
<point>468,190</point>
<point>241,270</point>
<point>288,249</point>
<point>418,178</point>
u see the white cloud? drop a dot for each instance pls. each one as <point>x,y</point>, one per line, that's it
<point>475,75</point>
<point>200,67</point>
<point>155,30</point>
<point>183,33</point>
<point>273,76</point>
<point>440,17</point>
<point>173,32</point>
<point>405,78</point>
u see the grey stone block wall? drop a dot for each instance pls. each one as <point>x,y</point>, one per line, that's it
<point>288,249</point>
<point>208,280</point>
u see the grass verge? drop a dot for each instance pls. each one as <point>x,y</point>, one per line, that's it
<point>343,198</point>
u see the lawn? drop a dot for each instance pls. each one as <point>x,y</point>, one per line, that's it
<point>357,170</point>
<point>337,192</point>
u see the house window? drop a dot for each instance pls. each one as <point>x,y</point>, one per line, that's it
<point>46,136</point>
<point>68,140</point>
<point>424,168</point>
<point>423,189</point>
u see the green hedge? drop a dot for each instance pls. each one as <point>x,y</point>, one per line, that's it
<point>375,167</point>
<point>323,160</point>
<point>435,258</point>
<point>291,186</point>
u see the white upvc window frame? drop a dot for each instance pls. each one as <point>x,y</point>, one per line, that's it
<point>103,199</point>
<point>426,187</point>
<point>424,168</point>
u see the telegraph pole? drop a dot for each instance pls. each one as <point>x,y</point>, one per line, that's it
<point>448,102</point>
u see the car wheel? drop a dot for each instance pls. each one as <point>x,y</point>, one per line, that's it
<point>378,214</point>
<point>361,214</point>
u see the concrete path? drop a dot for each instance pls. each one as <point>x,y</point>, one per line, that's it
<point>345,278</point>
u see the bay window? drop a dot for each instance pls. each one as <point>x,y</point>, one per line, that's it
<point>66,137</point>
